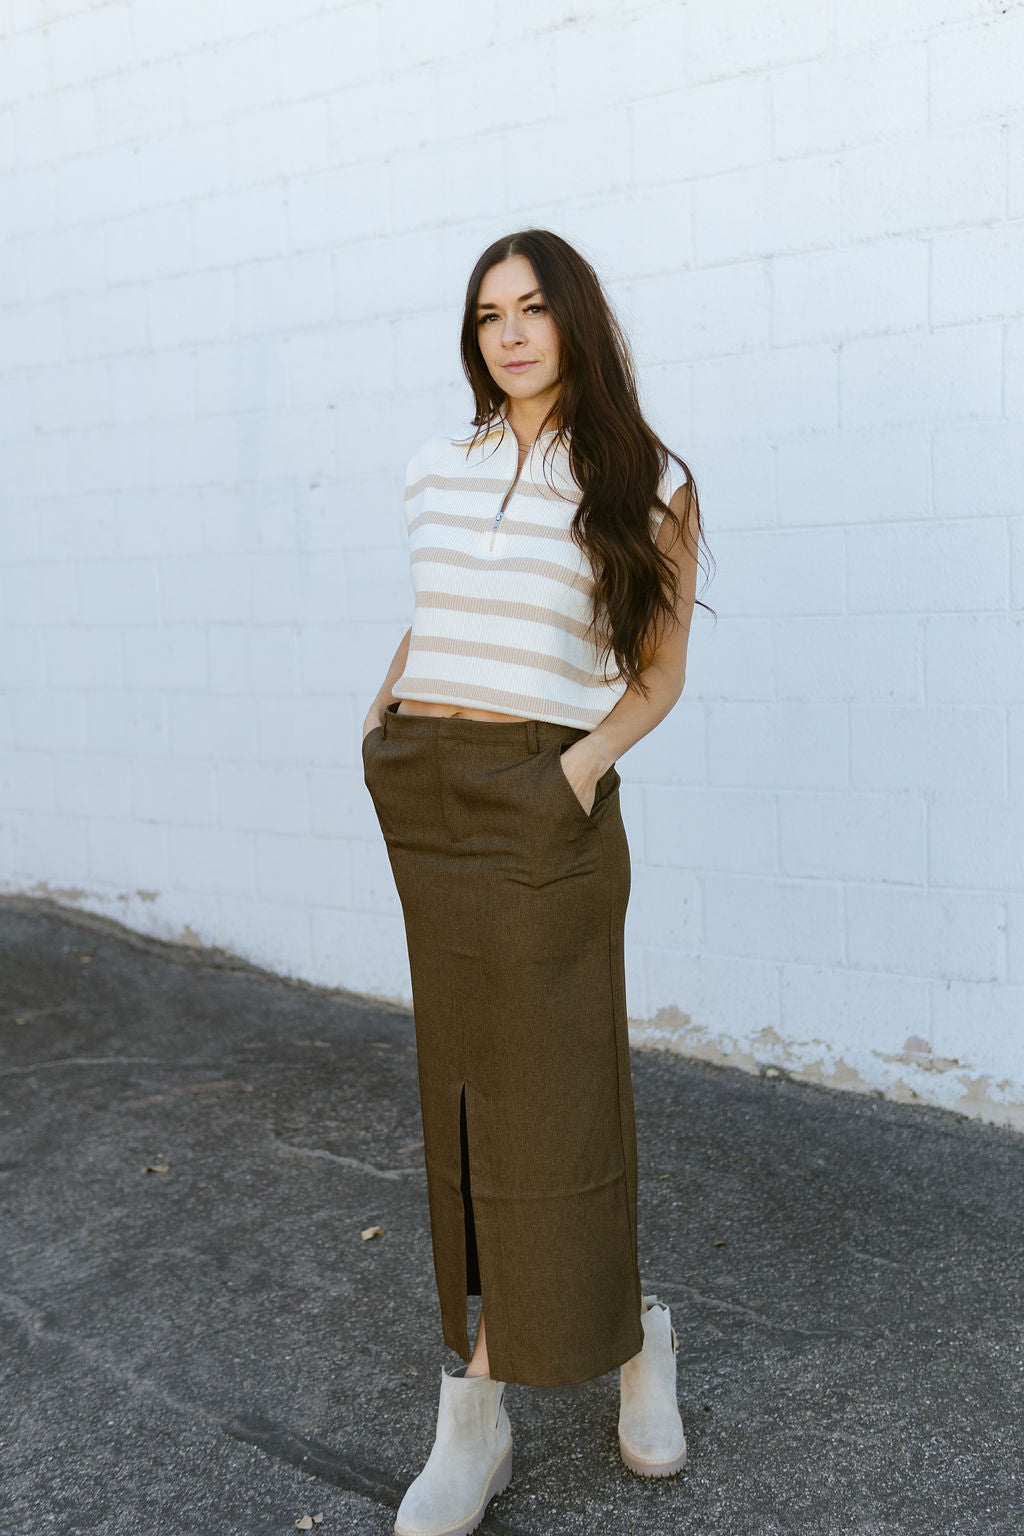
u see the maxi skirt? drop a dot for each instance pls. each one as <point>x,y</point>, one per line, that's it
<point>514,901</point>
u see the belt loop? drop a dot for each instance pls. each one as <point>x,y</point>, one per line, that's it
<point>531,735</point>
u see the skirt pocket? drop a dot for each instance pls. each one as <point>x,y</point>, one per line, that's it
<point>606,785</point>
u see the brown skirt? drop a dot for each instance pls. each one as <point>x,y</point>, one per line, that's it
<point>514,902</point>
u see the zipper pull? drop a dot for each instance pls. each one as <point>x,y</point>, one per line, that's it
<point>501,510</point>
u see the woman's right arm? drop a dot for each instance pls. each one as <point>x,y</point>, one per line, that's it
<point>385,696</point>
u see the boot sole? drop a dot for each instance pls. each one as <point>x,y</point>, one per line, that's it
<point>497,1483</point>
<point>652,1468</point>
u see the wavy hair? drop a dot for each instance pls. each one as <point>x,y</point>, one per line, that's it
<point>615,458</point>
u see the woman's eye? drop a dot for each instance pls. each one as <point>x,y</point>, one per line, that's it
<point>540,308</point>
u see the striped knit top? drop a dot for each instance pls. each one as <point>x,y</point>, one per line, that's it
<point>503,595</point>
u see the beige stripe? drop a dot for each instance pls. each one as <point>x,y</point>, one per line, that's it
<point>501,699</point>
<point>473,484</point>
<point>511,523</point>
<point>500,608</point>
<point>509,563</point>
<point>513,655</point>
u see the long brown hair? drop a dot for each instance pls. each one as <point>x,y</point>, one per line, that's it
<point>615,457</point>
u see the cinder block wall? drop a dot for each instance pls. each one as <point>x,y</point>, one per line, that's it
<point>233,245</point>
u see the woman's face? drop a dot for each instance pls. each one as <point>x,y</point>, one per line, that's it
<point>518,339</point>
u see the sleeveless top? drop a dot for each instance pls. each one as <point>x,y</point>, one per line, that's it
<point>503,599</point>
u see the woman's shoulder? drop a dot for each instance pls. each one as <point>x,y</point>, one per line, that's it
<point>445,450</point>
<point>672,477</point>
<point>421,458</point>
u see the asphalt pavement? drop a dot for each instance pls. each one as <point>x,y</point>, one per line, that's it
<point>197,1340</point>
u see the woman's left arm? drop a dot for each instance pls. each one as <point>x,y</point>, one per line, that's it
<point>633,716</point>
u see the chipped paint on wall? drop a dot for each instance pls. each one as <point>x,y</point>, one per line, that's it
<point>913,1075</point>
<point>125,907</point>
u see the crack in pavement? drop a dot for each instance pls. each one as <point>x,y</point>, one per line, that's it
<point>875,1258</point>
<point>275,1440</point>
<point>346,1162</point>
<point>313,1456</point>
<point>175,1063</point>
<point>99,1061</point>
<point>767,1322</point>
<point>34,1323</point>
<point>345,1472</point>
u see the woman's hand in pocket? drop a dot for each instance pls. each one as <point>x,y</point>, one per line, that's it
<point>582,773</point>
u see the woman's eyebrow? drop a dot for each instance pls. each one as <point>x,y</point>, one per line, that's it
<point>521,299</point>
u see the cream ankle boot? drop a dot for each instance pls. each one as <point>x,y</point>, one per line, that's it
<point>651,1438</point>
<point>470,1462</point>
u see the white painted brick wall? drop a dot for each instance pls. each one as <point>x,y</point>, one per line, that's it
<point>233,246</point>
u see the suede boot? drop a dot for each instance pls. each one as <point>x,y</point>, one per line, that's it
<point>470,1462</point>
<point>651,1438</point>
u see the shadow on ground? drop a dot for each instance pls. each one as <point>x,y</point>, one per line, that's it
<point>210,1347</point>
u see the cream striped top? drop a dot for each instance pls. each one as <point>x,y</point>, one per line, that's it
<point>502,598</point>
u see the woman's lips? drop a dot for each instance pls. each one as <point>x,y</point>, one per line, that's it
<point>519,367</point>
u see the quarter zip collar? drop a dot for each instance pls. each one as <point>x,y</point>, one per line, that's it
<point>503,417</point>
<point>501,440</point>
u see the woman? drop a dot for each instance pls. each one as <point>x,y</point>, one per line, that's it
<point>554,553</point>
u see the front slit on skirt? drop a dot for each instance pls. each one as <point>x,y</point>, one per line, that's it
<point>514,901</point>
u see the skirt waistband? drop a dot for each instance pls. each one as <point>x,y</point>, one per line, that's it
<point>532,735</point>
